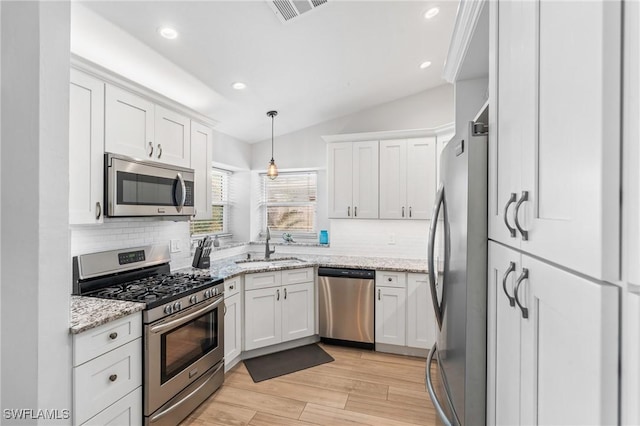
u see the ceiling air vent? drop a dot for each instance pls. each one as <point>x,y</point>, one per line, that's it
<point>287,10</point>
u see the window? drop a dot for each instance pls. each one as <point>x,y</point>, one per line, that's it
<point>289,202</point>
<point>220,206</point>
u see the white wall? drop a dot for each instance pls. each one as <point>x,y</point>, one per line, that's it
<point>36,345</point>
<point>307,149</point>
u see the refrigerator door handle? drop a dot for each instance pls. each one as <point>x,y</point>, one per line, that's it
<point>437,307</point>
<point>432,392</point>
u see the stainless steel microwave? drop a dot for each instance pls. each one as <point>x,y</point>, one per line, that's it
<point>144,188</point>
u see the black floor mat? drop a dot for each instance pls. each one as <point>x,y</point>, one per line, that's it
<point>280,363</point>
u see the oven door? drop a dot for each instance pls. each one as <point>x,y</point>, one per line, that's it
<point>137,188</point>
<point>181,348</point>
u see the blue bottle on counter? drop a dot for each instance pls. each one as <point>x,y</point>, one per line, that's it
<point>324,237</point>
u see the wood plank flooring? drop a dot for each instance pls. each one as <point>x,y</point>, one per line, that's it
<point>358,388</point>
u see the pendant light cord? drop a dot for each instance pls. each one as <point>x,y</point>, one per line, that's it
<point>272,138</point>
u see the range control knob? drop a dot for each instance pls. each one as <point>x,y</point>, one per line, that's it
<point>207,293</point>
<point>168,309</point>
<point>193,299</point>
<point>215,291</point>
<point>177,306</point>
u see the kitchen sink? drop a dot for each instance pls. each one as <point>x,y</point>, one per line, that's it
<point>272,263</point>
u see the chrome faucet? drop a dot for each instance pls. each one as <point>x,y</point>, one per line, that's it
<point>267,252</point>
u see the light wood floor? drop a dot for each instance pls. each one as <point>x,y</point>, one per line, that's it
<point>358,388</point>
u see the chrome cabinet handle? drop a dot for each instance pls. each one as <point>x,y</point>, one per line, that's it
<point>278,294</point>
<point>159,150</point>
<point>379,294</point>
<point>285,294</point>
<point>151,146</point>
<point>349,211</point>
<point>523,276</point>
<point>409,211</point>
<point>511,200</point>
<point>402,211</point>
<point>355,211</point>
<point>113,336</point>
<point>523,198</point>
<point>512,267</point>
<point>98,210</point>
<point>113,377</point>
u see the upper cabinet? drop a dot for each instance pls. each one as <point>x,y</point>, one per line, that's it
<point>353,179</point>
<point>407,178</point>
<point>86,148</point>
<point>201,147</point>
<point>554,153</point>
<point>138,128</point>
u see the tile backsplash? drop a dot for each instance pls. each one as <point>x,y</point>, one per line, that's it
<point>117,233</point>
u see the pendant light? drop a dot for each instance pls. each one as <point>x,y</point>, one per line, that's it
<point>272,170</point>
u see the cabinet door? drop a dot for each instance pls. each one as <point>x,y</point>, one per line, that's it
<point>512,114</point>
<point>391,315</point>
<point>298,313</point>
<point>201,148</point>
<point>365,180</point>
<point>86,148</point>
<point>232,328</point>
<point>421,320</point>
<point>262,318</point>
<point>503,338</point>
<point>421,177</point>
<point>172,137</point>
<point>569,348</point>
<point>340,164</point>
<point>129,124</point>
<point>571,170</point>
<point>393,179</point>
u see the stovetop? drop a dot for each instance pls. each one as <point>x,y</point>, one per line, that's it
<point>156,290</point>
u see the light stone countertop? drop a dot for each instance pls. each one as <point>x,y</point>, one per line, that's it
<point>90,312</point>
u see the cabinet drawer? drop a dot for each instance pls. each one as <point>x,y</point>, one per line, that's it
<point>391,279</point>
<point>124,412</point>
<point>295,276</point>
<point>104,380</point>
<point>262,280</point>
<point>232,286</point>
<point>94,342</point>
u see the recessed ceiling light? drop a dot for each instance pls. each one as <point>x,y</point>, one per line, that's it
<point>238,85</point>
<point>431,13</point>
<point>425,64</point>
<point>168,33</point>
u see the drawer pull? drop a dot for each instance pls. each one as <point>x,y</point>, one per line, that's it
<point>113,377</point>
<point>113,336</point>
<point>231,287</point>
<point>389,279</point>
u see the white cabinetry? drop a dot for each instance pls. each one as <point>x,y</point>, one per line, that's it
<point>407,178</point>
<point>279,307</point>
<point>201,148</point>
<point>136,127</point>
<point>551,174</point>
<point>353,179</point>
<point>404,313</point>
<point>107,373</point>
<point>553,355</point>
<point>86,148</point>
<point>232,321</point>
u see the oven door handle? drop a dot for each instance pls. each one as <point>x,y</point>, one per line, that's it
<point>182,320</point>
<point>177,404</point>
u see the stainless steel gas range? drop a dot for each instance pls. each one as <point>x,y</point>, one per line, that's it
<point>183,325</point>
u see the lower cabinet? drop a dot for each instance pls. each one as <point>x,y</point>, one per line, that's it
<point>552,344</point>
<point>404,313</point>
<point>107,373</point>
<point>278,308</point>
<point>232,321</point>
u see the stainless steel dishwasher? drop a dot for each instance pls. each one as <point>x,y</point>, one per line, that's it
<point>346,303</point>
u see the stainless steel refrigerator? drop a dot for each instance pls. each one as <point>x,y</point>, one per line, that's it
<point>456,381</point>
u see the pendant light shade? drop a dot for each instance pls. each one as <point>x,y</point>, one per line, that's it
<point>272,169</point>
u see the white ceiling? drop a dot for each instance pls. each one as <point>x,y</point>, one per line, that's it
<point>337,59</point>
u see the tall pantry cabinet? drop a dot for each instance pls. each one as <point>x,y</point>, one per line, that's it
<point>554,209</point>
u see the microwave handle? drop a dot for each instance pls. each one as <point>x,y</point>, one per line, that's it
<point>184,192</point>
